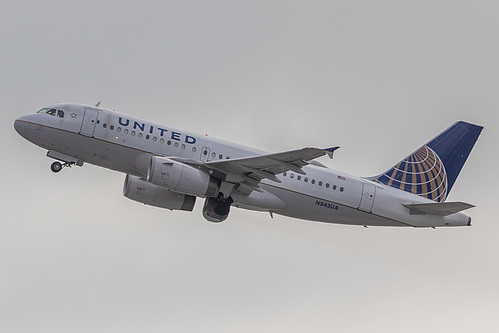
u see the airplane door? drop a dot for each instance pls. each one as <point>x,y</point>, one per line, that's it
<point>205,154</point>
<point>89,122</point>
<point>367,198</point>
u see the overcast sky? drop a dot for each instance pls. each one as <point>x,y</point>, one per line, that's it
<point>378,78</point>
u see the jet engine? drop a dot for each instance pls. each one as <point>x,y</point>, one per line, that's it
<point>181,178</point>
<point>140,190</point>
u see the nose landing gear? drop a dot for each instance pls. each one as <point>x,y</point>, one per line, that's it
<point>63,160</point>
<point>57,166</point>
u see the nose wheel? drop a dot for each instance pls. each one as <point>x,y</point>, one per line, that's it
<point>57,166</point>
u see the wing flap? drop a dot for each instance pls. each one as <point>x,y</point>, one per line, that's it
<point>439,209</point>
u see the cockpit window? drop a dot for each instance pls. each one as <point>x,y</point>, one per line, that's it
<point>52,112</point>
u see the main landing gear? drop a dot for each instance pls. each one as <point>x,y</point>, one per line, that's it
<point>217,209</point>
<point>57,166</point>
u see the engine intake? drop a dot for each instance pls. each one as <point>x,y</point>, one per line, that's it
<point>181,178</point>
<point>140,190</point>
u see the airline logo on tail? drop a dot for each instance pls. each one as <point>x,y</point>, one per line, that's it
<point>422,173</point>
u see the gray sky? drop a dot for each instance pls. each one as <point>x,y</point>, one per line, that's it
<point>378,78</point>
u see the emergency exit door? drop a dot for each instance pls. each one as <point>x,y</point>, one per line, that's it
<point>205,154</point>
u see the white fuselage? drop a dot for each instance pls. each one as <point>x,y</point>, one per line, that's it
<point>126,144</point>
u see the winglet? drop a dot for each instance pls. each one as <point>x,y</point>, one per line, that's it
<point>330,151</point>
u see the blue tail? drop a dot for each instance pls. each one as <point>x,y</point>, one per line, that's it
<point>432,170</point>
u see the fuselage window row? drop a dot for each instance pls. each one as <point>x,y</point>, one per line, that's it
<point>140,135</point>
<point>305,179</point>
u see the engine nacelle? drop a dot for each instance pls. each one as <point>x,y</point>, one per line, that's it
<point>140,190</point>
<point>181,178</point>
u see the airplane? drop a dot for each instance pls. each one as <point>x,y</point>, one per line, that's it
<point>170,168</point>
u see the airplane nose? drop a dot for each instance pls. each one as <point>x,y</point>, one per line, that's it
<point>21,125</point>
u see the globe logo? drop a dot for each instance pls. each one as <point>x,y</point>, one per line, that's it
<point>421,173</point>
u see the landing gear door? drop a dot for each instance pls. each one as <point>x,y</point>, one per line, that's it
<point>89,122</point>
<point>367,199</point>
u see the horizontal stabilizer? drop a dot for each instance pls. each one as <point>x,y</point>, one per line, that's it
<point>440,209</point>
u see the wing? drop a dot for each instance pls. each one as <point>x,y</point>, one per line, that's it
<point>247,172</point>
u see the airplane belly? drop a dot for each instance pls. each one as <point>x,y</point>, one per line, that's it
<point>321,209</point>
<point>108,155</point>
<point>262,201</point>
<point>90,150</point>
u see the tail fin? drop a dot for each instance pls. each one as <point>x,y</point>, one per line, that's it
<point>432,170</point>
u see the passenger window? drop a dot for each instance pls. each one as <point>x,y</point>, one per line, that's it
<point>183,146</point>
<point>119,129</point>
<point>228,157</point>
<point>133,133</point>
<point>147,137</point>
<point>320,183</point>
<point>299,177</point>
<point>284,174</point>
<point>161,140</point>
<point>292,175</point>
<point>220,156</point>
<point>60,114</point>
<point>193,149</point>
<point>334,187</point>
<point>104,125</point>
<point>168,142</point>
<point>341,189</point>
<point>327,185</point>
<point>213,154</point>
<point>176,144</point>
<point>205,152</point>
<point>313,181</point>
<point>126,131</point>
<point>154,139</point>
<point>306,179</point>
<point>141,135</point>
<point>111,127</point>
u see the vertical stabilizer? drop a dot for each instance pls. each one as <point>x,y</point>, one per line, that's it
<point>432,170</point>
